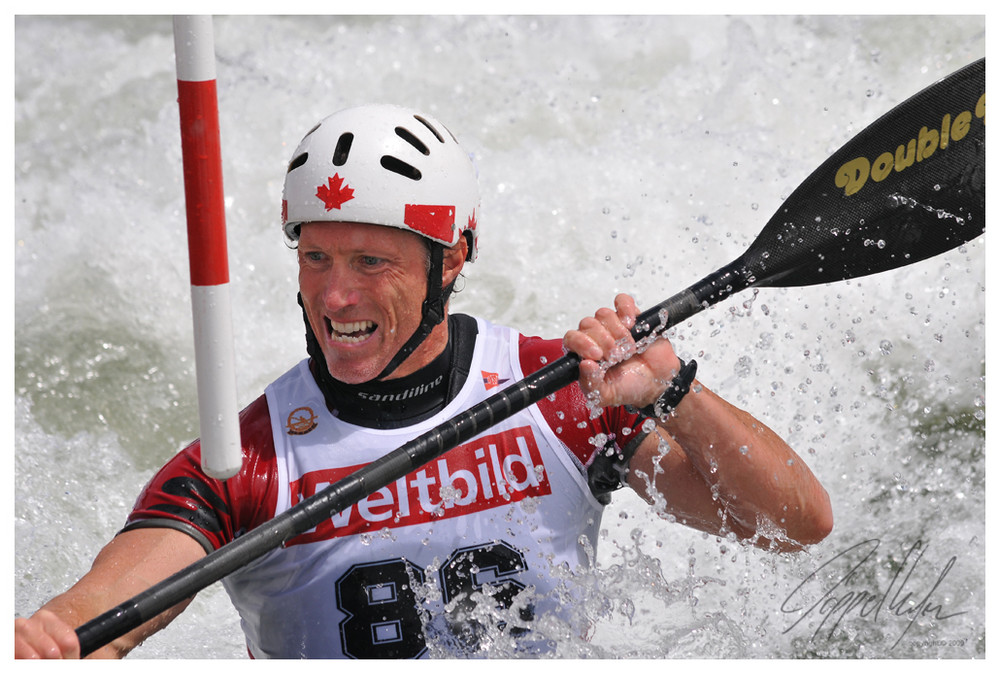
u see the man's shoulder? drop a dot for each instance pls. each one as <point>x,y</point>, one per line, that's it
<point>534,352</point>
<point>255,425</point>
<point>537,351</point>
<point>256,412</point>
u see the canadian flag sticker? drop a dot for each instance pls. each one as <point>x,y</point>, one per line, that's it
<point>334,193</point>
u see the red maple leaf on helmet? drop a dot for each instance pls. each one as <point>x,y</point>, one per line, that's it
<point>334,193</point>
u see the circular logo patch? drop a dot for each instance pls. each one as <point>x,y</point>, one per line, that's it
<point>301,421</point>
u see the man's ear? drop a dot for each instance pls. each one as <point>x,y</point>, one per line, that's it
<point>453,261</point>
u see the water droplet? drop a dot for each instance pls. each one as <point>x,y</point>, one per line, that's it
<point>743,367</point>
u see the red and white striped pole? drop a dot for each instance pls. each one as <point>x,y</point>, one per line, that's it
<point>215,363</point>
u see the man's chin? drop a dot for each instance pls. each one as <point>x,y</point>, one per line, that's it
<point>351,374</point>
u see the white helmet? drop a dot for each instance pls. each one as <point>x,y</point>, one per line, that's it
<point>383,165</point>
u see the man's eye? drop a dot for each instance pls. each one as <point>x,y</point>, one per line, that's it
<point>370,260</point>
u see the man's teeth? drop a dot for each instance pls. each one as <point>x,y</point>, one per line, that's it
<point>351,332</point>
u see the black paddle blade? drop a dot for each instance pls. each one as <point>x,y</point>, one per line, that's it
<point>910,186</point>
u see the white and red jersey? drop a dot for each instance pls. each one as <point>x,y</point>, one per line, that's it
<point>508,516</point>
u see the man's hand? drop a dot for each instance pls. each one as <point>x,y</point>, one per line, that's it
<point>612,371</point>
<point>44,636</point>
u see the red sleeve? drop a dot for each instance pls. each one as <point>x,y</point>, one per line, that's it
<point>214,511</point>
<point>567,412</point>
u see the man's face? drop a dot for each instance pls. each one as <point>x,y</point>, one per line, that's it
<point>363,287</point>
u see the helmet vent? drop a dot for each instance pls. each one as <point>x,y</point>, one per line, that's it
<point>298,161</point>
<point>401,167</point>
<point>429,127</point>
<point>343,149</point>
<point>412,140</point>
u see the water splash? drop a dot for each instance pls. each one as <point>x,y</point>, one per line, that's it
<point>659,129</point>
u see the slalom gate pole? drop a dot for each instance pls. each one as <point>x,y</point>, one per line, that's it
<point>221,453</point>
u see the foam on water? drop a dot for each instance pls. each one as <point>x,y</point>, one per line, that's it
<point>616,154</point>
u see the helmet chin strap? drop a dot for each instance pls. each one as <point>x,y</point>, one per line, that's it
<point>432,313</point>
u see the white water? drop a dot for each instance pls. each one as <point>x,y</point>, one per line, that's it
<point>616,154</point>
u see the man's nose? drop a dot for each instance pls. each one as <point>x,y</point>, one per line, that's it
<point>341,289</point>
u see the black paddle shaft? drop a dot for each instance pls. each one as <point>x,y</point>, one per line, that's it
<point>835,226</point>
